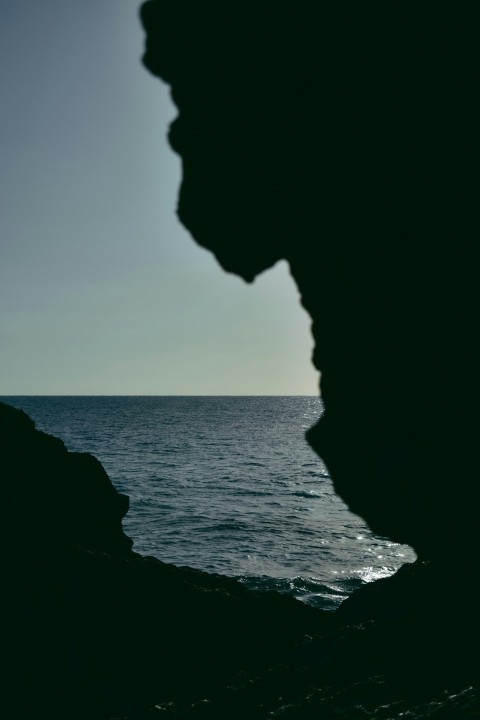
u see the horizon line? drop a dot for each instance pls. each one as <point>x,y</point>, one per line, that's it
<point>154,395</point>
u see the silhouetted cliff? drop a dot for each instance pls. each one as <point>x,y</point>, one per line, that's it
<point>345,141</point>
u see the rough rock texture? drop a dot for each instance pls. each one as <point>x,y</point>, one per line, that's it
<point>344,139</point>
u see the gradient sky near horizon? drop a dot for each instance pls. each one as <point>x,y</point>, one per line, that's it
<point>101,289</point>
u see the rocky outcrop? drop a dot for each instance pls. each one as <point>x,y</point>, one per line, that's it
<point>344,142</point>
<point>55,498</point>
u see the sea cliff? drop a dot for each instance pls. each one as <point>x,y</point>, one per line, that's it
<point>343,140</point>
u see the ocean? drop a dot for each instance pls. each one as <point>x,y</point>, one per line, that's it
<point>227,485</point>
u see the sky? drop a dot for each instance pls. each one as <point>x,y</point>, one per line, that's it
<point>102,291</point>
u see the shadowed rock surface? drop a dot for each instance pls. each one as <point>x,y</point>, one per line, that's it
<point>345,141</point>
<point>53,497</point>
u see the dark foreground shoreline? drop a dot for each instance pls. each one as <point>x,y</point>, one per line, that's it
<point>92,629</point>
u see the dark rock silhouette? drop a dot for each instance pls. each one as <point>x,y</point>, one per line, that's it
<point>55,498</point>
<point>345,143</point>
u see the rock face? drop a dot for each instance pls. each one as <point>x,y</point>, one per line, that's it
<point>55,498</point>
<point>344,142</point>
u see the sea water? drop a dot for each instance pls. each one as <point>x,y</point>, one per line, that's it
<point>227,485</point>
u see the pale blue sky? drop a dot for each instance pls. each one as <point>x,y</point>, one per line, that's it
<point>101,290</point>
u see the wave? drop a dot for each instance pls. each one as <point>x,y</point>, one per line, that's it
<point>307,494</point>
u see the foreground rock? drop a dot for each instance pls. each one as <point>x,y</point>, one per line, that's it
<point>55,498</point>
<point>91,629</point>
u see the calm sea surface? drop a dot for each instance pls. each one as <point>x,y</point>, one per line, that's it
<point>227,485</point>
